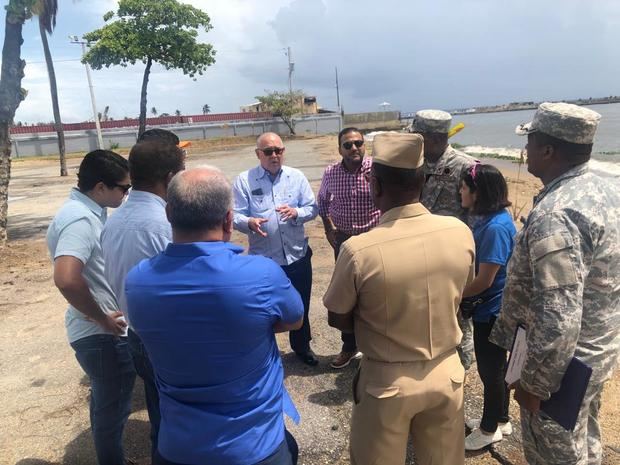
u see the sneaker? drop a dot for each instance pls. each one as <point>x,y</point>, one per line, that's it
<point>478,440</point>
<point>344,358</point>
<point>505,428</point>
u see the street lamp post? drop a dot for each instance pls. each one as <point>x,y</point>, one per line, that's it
<point>75,40</point>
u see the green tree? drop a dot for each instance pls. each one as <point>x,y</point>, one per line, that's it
<point>47,11</point>
<point>284,105</point>
<point>11,94</point>
<point>177,112</point>
<point>206,109</point>
<point>154,111</point>
<point>163,32</point>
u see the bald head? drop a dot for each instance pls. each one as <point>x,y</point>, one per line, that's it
<point>268,139</point>
<point>199,199</point>
<point>270,152</point>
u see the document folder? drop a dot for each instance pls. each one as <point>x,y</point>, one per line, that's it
<point>563,406</point>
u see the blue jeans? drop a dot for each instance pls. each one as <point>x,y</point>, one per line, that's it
<point>286,454</point>
<point>144,369</point>
<point>107,362</point>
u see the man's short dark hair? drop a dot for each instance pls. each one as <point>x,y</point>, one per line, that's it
<point>161,135</point>
<point>152,161</point>
<point>572,153</point>
<point>101,166</point>
<point>346,131</point>
<point>399,178</point>
<point>490,186</point>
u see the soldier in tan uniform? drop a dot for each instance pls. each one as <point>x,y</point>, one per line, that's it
<point>443,167</point>
<point>399,287</point>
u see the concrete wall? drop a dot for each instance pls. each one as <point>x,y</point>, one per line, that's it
<point>85,141</point>
<point>372,117</point>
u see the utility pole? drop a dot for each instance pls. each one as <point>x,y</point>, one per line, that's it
<point>291,68</point>
<point>75,40</point>
<point>337,91</point>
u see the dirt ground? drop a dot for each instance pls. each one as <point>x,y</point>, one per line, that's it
<point>45,394</point>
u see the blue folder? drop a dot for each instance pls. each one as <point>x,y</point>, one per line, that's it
<point>563,406</point>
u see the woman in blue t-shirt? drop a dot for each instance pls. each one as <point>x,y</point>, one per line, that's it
<point>484,194</point>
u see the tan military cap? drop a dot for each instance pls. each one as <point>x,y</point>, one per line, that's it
<point>398,150</point>
<point>563,121</point>
<point>436,121</point>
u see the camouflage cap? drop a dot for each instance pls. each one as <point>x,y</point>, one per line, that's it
<point>436,121</point>
<point>563,121</point>
<point>398,150</point>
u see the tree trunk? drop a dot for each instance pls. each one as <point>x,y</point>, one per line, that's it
<point>11,95</point>
<point>290,123</point>
<point>145,83</point>
<point>54,91</point>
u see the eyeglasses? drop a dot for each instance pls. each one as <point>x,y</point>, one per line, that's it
<point>268,151</point>
<point>349,144</point>
<point>124,187</point>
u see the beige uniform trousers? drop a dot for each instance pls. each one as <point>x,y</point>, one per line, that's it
<point>393,399</point>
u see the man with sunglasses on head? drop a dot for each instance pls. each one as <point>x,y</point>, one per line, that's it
<point>346,208</point>
<point>96,328</point>
<point>139,229</point>
<point>443,167</point>
<point>272,203</point>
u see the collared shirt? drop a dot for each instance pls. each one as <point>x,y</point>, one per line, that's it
<point>345,198</point>
<point>75,232</point>
<point>403,281</point>
<point>443,181</point>
<point>138,229</point>
<point>206,314</point>
<point>257,195</point>
<point>563,282</point>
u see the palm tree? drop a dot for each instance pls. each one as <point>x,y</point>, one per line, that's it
<point>177,112</point>
<point>154,111</point>
<point>47,10</point>
<point>11,94</point>
<point>206,109</point>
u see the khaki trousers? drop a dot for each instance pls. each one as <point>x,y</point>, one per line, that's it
<point>392,400</point>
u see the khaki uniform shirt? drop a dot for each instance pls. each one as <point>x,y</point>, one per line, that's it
<point>563,282</point>
<point>443,181</point>
<point>403,282</point>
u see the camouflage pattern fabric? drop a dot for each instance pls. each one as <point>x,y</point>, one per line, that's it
<point>441,190</point>
<point>441,196</point>
<point>563,286</point>
<point>431,121</point>
<point>563,121</point>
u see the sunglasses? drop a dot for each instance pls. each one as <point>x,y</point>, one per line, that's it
<point>349,144</point>
<point>271,150</point>
<point>124,187</point>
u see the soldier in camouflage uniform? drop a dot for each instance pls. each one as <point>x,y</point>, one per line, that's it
<point>443,167</point>
<point>563,283</point>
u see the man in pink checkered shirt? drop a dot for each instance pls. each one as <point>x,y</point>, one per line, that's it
<point>347,210</point>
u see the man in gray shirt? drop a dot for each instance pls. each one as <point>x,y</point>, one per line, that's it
<point>139,229</point>
<point>95,326</point>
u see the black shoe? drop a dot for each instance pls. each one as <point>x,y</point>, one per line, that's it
<point>308,358</point>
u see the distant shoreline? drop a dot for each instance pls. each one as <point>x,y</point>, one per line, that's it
<point>519,106</point>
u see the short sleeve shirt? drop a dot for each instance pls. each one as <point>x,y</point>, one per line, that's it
<point>494,237</point>
<point>206,314</point>
<point>75,232</point>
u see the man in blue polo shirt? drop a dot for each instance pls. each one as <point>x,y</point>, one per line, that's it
<point>207,316</point>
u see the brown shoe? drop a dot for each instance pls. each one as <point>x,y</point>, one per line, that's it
<point>344,358</point>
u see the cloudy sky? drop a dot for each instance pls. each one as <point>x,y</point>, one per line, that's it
<point>413,54</point>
